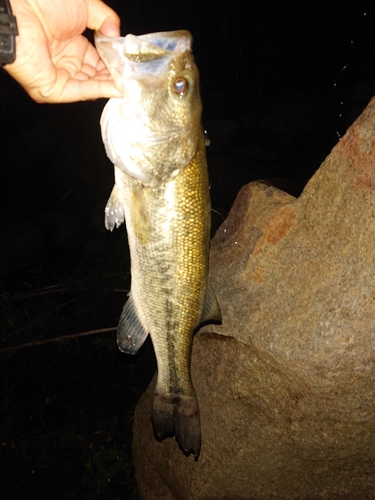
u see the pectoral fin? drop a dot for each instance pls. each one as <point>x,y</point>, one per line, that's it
<point>114,210</point>
<point>130,332</point>
<point>211,309</point>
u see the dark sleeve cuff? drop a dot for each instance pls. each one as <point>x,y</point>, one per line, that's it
<point>8,33</point>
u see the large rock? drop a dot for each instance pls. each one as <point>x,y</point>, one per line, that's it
<point>286,386</point>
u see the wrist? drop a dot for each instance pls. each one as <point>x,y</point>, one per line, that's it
<point>8,33</point>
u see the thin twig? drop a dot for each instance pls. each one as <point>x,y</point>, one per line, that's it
<point>47,314</point>
<point>62,338</point>
<point>61,287</point>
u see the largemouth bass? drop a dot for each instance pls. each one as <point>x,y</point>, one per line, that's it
<point>154,137</point>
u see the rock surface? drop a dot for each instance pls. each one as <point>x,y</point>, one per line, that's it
<point>286,386</point>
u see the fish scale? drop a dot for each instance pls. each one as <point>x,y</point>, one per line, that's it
<point>154,136</point>
<point>183,250</point>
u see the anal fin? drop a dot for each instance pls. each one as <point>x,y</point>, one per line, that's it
<point>130,333</point>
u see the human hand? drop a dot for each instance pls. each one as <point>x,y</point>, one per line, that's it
<point>54,61</point>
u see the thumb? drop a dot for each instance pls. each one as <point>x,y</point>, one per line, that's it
<point>103,18</point>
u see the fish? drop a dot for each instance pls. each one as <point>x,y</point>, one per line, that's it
<point>153,135</point>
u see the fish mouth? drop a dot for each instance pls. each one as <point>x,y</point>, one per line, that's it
<point>144,56</point>
<point>146,48</point>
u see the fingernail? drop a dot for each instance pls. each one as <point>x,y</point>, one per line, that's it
<point>110,28</point>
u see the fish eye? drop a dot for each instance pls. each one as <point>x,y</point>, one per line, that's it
<point>180,86</point>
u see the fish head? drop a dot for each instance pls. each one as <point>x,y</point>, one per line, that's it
<point>153,131</point>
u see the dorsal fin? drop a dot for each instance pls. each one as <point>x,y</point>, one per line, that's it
<point>211,309</point>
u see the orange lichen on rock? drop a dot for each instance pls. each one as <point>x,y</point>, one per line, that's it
<point>276,228</point>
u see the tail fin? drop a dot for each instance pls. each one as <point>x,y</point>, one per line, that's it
<point>178,415</point>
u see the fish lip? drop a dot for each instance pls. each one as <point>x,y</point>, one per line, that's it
<point>178,41</point>
<point>145,56</point>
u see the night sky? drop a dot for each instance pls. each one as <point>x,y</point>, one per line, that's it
<point>266,47</point>
<point>247,50</point>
